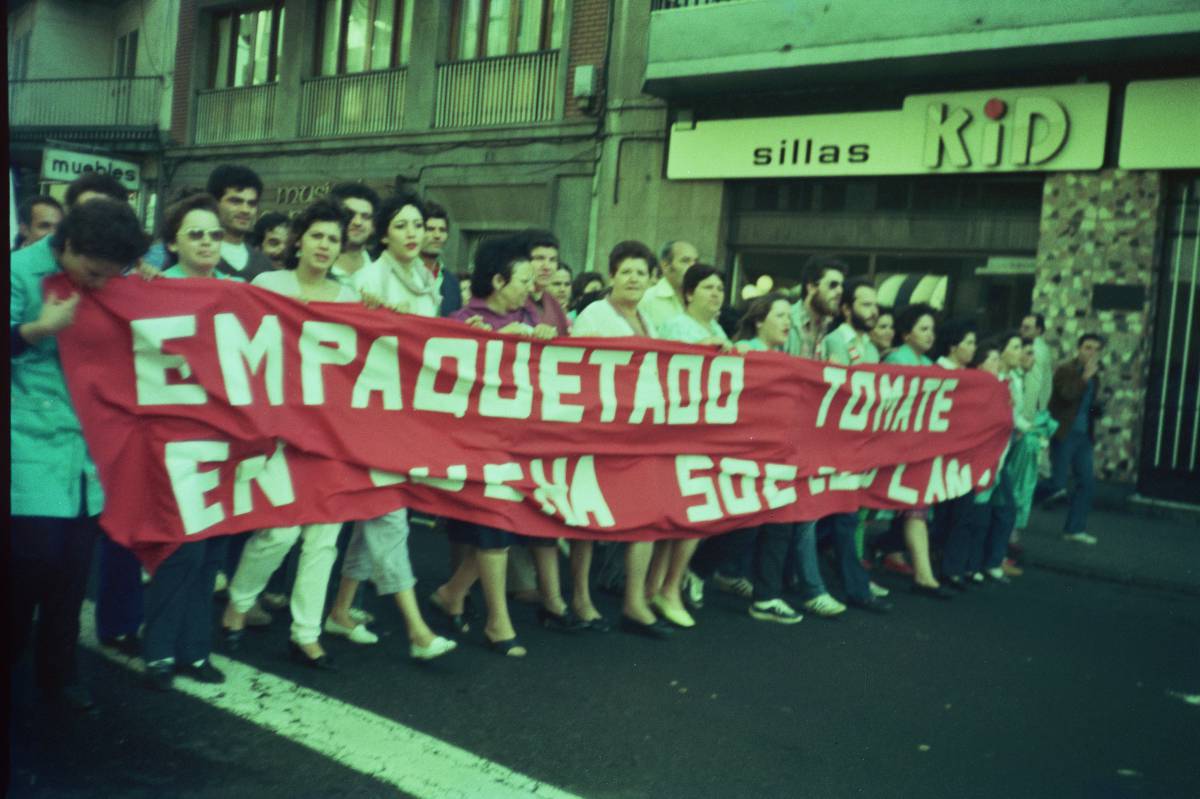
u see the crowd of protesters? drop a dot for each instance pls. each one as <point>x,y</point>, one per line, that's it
<point>353,246</point>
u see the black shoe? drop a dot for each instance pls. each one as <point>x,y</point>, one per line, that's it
<point>565,622</point>
<point>506,647</point>
<point>205,672</point>
<point>125,644</point>
<point>457,620</point>
<point>957,583</point>
<point>231,640</point>
<point>298,655</point>
<point>160,676</point>
<point>658,629</point>
<point>597,625</point>
<point>873,605</point>
<point>941,592</point>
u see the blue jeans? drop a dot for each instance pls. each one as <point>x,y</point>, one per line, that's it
<point>179,602</point>
<point>119,596</point>
<point>841,527</point>
<point>1073,455</point>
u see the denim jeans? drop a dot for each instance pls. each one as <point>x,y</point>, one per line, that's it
<point>802,561</point>
<point>119,595</point>
<point>179,602</point>
<point>1073,455</point>
<point>840,527</point>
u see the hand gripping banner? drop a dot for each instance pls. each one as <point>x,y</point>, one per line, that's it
<point>211,407</point>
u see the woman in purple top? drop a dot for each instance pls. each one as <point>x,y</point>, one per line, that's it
<point>500,285</point>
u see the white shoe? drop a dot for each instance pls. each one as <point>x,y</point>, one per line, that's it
<point>677,616</point>
<point>438,647</point>
<point>358,634</point>
<point>361,616</point>
<point>693,590</point>
<point>824,605</point>
<point>738,586</point>
<point>220,583</point>
<point>775,610</point>
<point>878,590</point>
<point>1081,538</point>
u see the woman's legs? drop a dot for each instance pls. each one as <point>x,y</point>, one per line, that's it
<point>261,556</point>
<point>916,537</point>
<point>680,557</point>
<point>581,587</point>
<point>492,572</point>
<point>545,558</point>
<point>637,567</point>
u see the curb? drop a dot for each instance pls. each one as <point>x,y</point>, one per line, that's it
<point>1109,576</point>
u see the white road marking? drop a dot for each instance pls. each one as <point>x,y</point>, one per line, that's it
<point>358,739</point>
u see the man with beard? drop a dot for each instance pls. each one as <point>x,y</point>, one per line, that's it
<point>237,190</point>
<point>823,278</point>
<point>850,343</point>
<point>360,203</point>
<point>542,247</point>
<point>437,231</point>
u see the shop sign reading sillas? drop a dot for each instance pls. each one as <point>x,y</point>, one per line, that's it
<point>1027,129</point>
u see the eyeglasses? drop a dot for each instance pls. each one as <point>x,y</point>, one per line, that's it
<point>200,235</point>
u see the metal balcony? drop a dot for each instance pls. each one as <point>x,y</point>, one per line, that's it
<point>497,91</point>
<point>348,105</point>
<point>114,107</point>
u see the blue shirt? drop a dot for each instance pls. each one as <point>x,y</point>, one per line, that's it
<point>1080,425</point>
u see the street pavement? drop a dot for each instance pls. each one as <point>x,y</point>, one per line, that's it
<point>1058,685</point>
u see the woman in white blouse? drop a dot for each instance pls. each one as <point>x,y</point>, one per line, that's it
<point>399,279</point>
<point>616,315</point>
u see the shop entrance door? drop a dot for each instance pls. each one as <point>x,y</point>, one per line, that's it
<point>1171,440</point>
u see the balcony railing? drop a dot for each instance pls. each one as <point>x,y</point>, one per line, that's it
<point>224,116</point>
<point>345,105</point>
<point>497,91</point>
<point>85,102</point>
<point>667,5</point>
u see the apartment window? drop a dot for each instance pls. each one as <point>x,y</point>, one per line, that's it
<point>246,43</point>
<point>363,35</point>
<point>126,60</point>
<point>482,28</point>
<point>18,56</point>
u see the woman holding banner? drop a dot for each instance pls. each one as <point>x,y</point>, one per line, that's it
<point>703,296</point>
<point>314,245</point>
<point>378,549</point>
<point>617,315</point>
<point>915,329</point>
<point>177,638</point>
<point>500,284</point>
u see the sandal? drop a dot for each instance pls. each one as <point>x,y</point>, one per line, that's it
<point>508,647</point>
<point>457,620</point>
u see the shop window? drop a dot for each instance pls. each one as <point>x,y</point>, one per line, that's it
<point>484,28</point>
<point>891,194</point>
<point>363,35</point>
<point>246,46</point>
<point>126,56</point>
<point>831,196</point>
<point>1012,195</point>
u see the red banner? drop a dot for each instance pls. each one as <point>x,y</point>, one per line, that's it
<point>212,407</point>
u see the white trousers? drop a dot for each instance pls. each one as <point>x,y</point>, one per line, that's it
<point>264,553</point>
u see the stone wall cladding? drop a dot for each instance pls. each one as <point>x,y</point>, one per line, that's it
<point>1101,228</point>
<point>182,92</point>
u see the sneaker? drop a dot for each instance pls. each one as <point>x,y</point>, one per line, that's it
<point>997,575</point>
<point>977,577</point>
<point>204,671</point>
<point>824,605</point>
<point>693,590</point>
<point>1081,538</point>
<point>775,610</point>
<point>738,586</point>
<point>877,590</point>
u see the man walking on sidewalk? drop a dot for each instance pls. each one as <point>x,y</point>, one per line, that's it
<point>1075,405</point>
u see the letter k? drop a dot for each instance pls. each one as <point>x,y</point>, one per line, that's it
<point>943,132</point>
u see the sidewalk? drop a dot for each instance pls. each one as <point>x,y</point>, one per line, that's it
<point>1134,548</point>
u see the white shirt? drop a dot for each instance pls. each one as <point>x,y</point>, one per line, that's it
<point>686,329</point>
<point>342,276</point>
<point>414,295</point>
<point>602,319</point>
<point>660,303</point>
<point>236,255</point>
<point>285,282</point>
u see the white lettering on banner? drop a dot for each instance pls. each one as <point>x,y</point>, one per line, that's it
<point>900,492</point>
<point>678,365</point>
<point>575,499</point>
<point>455,479</point>
<point>189,484</point>
<point>648,394</point>
<point>881,392</point>
<point>151,364</point>
<point>738,503</point>
<point>463,352</point>
<point>237,353</point>
<point>938,423</point>
<point>520,405</point>
<point>380,372</point>
<point>608,361</point>
<point>777,473</point>
<point>831,478</point>
<point>314,354</point>
<point>554,384</point>
<point>891,391</point>
<point>735,368</point>
<point>497,476</point>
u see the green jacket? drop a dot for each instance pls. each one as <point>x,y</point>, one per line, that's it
<point>50,461</point>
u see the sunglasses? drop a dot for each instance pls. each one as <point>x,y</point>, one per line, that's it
<point>200,235</point>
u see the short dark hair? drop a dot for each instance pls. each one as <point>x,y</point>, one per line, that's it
<point>391,205</point>
<point>579,283</point>
<point>97,182</point>
<point>103,228</point>
<point>1039,320</point>
<point>436,211</point>
<point>695,275</point>
<point>232,176</point>
<point>1096,337</point>
<point>25,209</point>
<point>173,217</point>
<point>817,265</point>
<point>908,317</point>
<point>496,257</point>
<point>535,237</point>
<point>267,221</point>
<point>357,191</point>
<point>851,288</point>
<point>630,249</point>
<point>756,312</point>
<point>322,210</point>
<point>981,352</point>
<point>951,333</point>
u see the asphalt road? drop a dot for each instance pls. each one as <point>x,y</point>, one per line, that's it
<point>1052,687</point>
